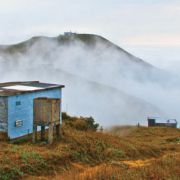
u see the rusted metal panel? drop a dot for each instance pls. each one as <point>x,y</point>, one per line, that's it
<point>46,111</point>
<point>56,110</point>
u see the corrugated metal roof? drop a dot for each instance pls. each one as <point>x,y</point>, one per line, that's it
<point>14,88</point>
<point>22,88</point>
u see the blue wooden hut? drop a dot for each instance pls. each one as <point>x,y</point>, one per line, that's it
<point>16,105</point>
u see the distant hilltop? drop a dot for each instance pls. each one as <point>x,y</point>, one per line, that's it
<point>103,79</point>
<point>69,33</point>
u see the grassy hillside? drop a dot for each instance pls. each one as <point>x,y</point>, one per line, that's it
<point>84,153</point>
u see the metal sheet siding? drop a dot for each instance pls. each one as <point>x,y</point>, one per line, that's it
<point>46,110</point>
<point>3,114</point>
<point>24,111</point>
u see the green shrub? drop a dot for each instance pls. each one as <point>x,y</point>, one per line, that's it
<point>80,123</point>
<point>32,161</point>
<point>9,173</point>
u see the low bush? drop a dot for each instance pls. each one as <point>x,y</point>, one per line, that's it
<point>80,123</point>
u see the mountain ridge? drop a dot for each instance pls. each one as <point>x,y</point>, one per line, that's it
<point>85,38</point>
<point>102,79</point>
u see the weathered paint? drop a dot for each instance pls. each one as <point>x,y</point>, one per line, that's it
<point>24,111</point>
<point>46,110</point>
<point>3,114</point>
<point>46,113</point>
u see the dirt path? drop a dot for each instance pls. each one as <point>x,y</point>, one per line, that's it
<point>79,171</point>
<point>139,163</point>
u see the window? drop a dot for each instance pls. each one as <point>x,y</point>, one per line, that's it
<point>18,123</point>
<point>18,103</point>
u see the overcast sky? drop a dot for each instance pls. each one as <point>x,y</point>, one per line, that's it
<point>149,29</point>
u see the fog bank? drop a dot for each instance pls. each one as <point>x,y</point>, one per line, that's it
<point>101,80</point>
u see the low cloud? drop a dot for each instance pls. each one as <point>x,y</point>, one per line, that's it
<point>101,80</point>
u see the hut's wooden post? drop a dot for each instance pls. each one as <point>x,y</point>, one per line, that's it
<point>58,131</point>
<point>34,133</point>
<point>42,133</point>
<point>50,133</point>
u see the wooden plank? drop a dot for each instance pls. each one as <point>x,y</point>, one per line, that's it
<point>46,112</point>
<point>42,133</point>
<point>50,133</point>
<point>34,133</point>
<point>58,131</point>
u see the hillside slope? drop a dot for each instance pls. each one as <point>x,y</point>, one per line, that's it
<point>129,89</point>
<point>139,154</point>
<point>84,47</point>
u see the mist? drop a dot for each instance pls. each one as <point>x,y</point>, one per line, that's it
<point>100,80</point>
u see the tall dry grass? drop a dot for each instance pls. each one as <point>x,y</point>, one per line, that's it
<point>100,153</point>
<point>166,167</point>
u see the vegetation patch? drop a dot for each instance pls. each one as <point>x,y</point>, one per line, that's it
<point>101,153</point>
<point>7,173</point>
<point>80,123</point>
